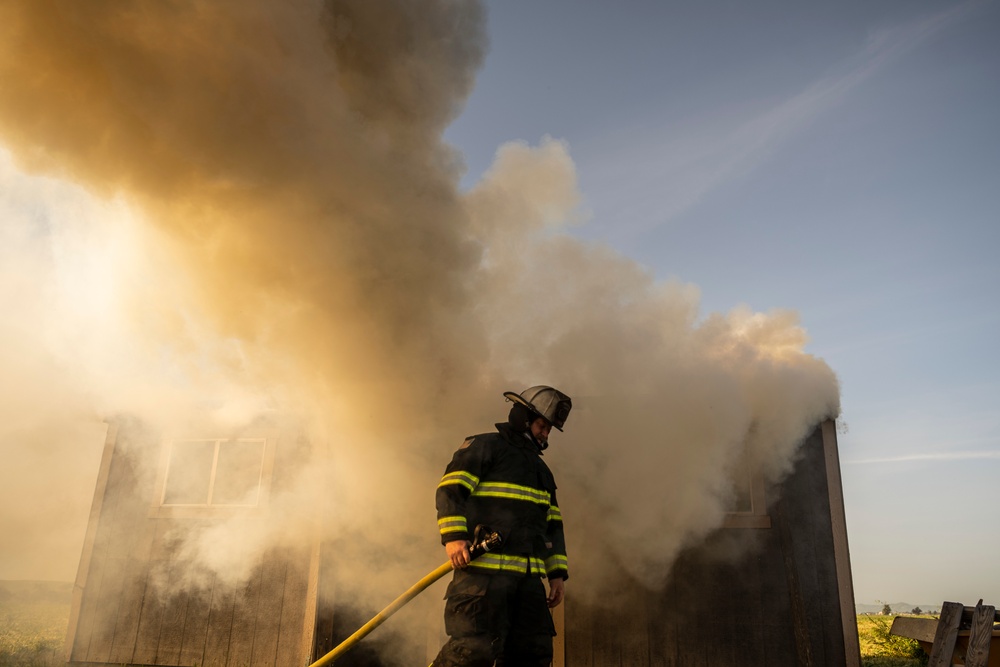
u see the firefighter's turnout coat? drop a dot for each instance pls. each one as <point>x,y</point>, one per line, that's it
<point>499,480</point>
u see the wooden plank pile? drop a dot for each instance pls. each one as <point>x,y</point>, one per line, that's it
<point>962,636</point>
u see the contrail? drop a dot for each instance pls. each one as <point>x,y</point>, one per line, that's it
<point>933,456</point>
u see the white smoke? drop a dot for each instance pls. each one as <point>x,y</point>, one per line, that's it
<point>273,224</point>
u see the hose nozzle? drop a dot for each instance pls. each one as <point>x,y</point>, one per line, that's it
<point>484,539</point>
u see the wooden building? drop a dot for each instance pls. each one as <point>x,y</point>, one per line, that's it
<point>127,608</point>
<point>788,601</point>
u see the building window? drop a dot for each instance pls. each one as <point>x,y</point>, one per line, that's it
<point>200,477</point>
<point>741,501</point>
<point>747,504</point>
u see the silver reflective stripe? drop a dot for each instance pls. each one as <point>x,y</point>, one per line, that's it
<point>452,524</point>
<point>513,492</point>
<point>466,479</point>
<point>556,562</point>
<point>507,563</point>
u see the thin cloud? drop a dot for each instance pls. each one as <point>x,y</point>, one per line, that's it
<point>933,456</point>
<point>694,161</point>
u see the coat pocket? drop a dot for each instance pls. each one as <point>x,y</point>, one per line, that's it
<point>467,610</point>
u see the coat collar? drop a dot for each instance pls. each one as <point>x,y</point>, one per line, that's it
<point>520,440</point>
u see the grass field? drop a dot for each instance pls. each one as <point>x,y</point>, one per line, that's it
<point>880,649</point>
<point>34,616</point>
<point>33,620</point>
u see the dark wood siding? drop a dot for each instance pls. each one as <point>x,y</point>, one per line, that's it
<point>777,603</point>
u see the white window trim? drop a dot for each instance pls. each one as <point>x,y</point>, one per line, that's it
<point>206,510</point>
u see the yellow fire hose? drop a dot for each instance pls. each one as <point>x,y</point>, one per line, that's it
<point>491,541</point>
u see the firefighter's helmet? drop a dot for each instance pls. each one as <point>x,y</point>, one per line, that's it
<point>550,404</point>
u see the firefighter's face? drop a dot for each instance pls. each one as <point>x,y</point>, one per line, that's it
<point>540,429</point>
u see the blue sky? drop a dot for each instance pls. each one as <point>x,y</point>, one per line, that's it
<point>838,159</point>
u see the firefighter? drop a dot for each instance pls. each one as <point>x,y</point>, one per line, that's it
<point>497,608</point>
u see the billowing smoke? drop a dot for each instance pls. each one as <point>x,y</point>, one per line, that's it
<point>274,224</point>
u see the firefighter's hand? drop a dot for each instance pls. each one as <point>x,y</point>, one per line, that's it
<point>458,553</point>
<point>557,591</point>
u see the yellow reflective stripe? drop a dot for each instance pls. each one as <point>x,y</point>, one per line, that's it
<point>554,514</point>
<point>507,563</point>
<point>466,479</point>
<point>452,524</point>
<point>500,562</point>
<point>513,492</point>
<point>556,562</point>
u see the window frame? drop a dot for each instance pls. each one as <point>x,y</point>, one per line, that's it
<point>201,511</point>
<point>757,516</point>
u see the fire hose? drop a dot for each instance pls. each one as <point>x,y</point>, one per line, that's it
<point>490,541</point>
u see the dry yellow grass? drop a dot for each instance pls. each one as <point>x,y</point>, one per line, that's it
<point>33,620</point>
<point>880,649</point>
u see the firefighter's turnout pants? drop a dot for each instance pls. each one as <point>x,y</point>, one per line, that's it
<point>496,617</point>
